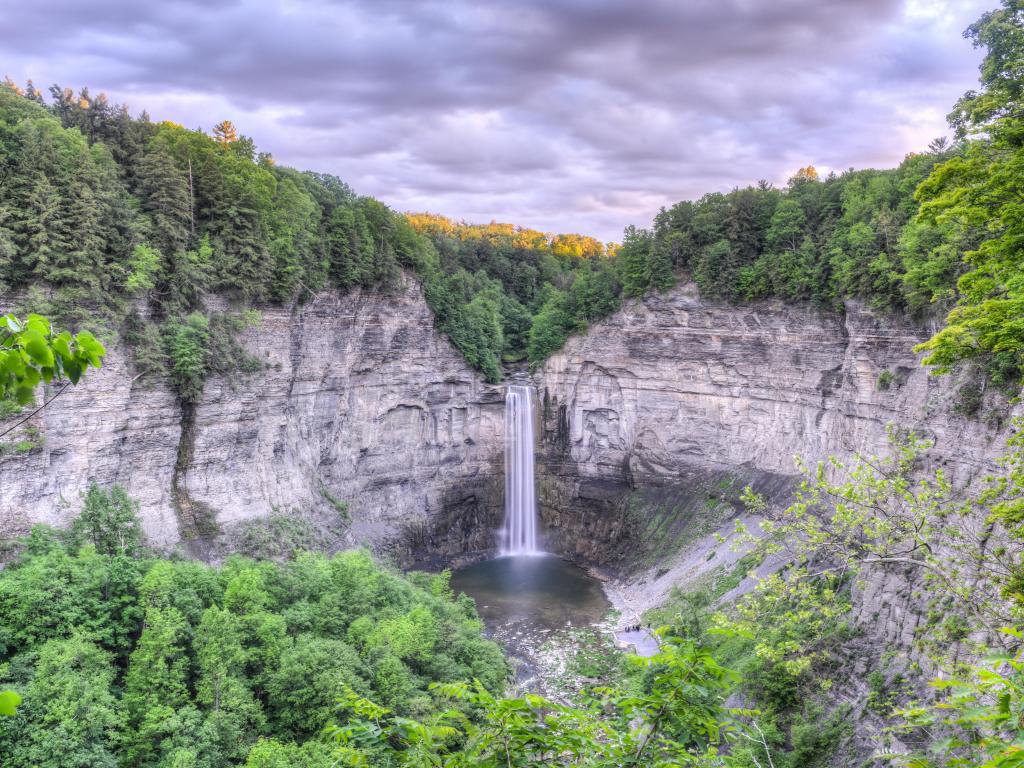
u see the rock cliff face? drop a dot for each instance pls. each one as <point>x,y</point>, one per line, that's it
<point>649,420</point>
<point>359,399</point>
<point>651,423</point>
<point>698,398</point>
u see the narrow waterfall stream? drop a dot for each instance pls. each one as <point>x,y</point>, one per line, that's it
<point>534,604</point>
<point>519,535</point>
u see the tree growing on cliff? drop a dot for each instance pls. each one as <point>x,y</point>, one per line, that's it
<point>977,191</point>
<point>635,260</point>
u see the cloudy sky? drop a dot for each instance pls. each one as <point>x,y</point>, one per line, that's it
<point>564,115</point>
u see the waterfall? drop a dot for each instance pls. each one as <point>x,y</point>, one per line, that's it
<point>519,536</point>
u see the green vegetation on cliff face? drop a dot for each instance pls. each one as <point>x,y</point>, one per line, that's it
<point>125,658</point>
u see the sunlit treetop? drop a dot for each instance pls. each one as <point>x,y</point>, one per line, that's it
<point>566,245</point>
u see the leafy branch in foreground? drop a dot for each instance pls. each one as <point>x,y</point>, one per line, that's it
<point>977,196</point>
<point>678,718</point>
<point>31,351</point>
<point>849,520</point>
<point>961,549</point>
<point>978,722</point>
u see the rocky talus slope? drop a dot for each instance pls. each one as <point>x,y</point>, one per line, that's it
<point>359,400</point>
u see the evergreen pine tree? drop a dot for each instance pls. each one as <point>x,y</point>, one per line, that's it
<point>636,275</point>
<point>163,189</point>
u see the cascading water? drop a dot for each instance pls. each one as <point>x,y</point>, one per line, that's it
<point>519,536</point>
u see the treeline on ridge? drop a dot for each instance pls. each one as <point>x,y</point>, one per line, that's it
<point>100,208</point>
<point>104,208</point>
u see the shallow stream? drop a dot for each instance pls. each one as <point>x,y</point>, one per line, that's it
<point>530,604</point>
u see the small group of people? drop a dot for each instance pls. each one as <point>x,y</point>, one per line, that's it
<point>632,628</point>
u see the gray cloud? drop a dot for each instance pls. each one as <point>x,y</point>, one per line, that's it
<point>561,114</point>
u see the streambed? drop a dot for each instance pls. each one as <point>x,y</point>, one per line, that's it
<point>543,610</point>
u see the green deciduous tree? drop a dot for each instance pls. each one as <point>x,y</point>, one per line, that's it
<point>109,521</point>
<point>976,191</point>
<point>69,718</point>
<point>635,260</point>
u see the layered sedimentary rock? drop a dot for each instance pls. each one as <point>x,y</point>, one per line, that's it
<point>655,417</point>
<point>679,392</point>
<point>359,400</point>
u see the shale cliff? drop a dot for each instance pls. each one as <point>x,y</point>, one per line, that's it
<point>667,408</point>
<point>675,401</point>
<point>359,400</point>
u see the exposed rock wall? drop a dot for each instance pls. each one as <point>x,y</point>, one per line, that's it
<point>359,399</point>
<point>673,402</point>
<point>674,390</point>
<point>655,418</point>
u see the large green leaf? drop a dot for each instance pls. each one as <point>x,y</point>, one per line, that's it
<point>9,701</point>
<point>34,343</point>
<point>25,395</point>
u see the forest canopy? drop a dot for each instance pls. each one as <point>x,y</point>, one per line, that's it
<point>123,657</point>
<point>101,209</point>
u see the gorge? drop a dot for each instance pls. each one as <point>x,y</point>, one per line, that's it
<point>362,401</point>
<point>650,425</point>
<point>366,425</point>
<point>361,487</point>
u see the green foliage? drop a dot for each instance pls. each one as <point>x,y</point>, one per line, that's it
<point>975,195</point>
<point>269,753</point>
<point>962,552</point>
<point>817,735</point>
<point>9,702</point>
<point>124,658</point>
<point>31,351</point>
<point>341,507</point>
<point>504,293</point>
<point>875,513</point>
<point>202,344</point>
<point>31,439</point>
<point>635,260</point>
<point>807,611</point>
<point>981,714</point>
<point>9,406</point>
<point>109,521</point>
<point>817,240</point>
<point>278,537</point>
<point>677,719</point>
<point>69,713</point>
<point>969,398</point>
<point>884,381</point>
<point>975,718</point>
<point>187,344</point>
<point>551,327</point>
<point>144,269</point>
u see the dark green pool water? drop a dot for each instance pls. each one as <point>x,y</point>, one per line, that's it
<point>526,601</point>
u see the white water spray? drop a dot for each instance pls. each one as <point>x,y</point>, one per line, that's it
<point>519,536</point>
